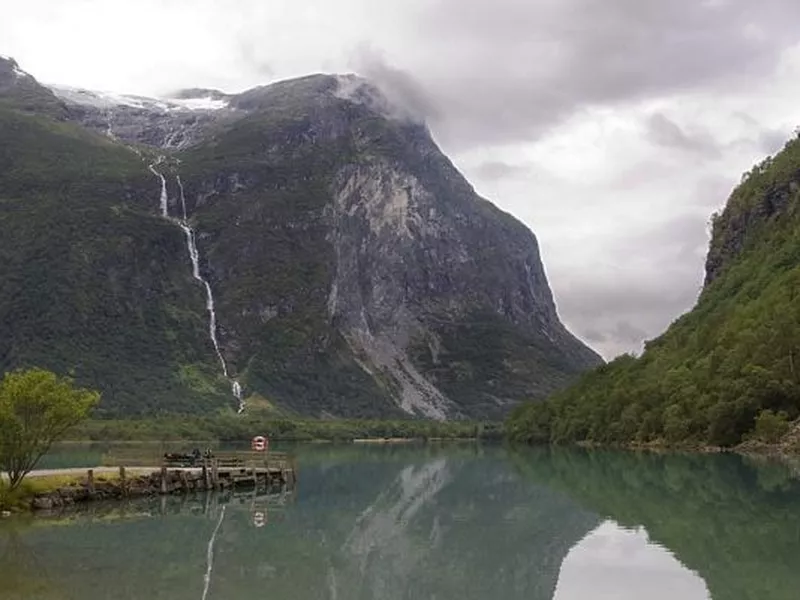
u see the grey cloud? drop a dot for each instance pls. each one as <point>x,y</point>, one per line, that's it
<point>713,191</point>
<point>510,70</point>
<point>400,88</point>
<point>593,336</point>
<point>663,131</point>
<point>625,332</point>
<point>766,140</point>
<point>616,319</point>
<point>592,300</point>
<point>619,334</point>
<point>688,233</point>
<point>495,169</point>
<point>250,56</point>
<point>635,174</point>
<point>617,311</point>
<point>771,141</point>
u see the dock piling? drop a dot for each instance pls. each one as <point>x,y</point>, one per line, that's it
<point>122,482</point>
<point>206,476</point>
<point>214,475</point>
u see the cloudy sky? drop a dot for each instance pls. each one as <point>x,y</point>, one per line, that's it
<point>613,128</point>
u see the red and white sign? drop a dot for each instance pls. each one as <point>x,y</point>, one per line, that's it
<point>259,443</point>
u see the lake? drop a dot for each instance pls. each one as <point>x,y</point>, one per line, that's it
<point>438,522</point>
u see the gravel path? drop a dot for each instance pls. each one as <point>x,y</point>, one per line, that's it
<point>82,471</point>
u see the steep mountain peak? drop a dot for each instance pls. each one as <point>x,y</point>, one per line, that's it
<point>298,93</point>
<point>322,90</point>
<point>186,117</point>
<point>10,65</point>
<point>11,74</point>
<point>21,90</point>
<point>339,264</point>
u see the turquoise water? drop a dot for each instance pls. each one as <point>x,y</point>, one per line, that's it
<point>428,522</point>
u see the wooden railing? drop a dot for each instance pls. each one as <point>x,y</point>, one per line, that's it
<point>233,460</point>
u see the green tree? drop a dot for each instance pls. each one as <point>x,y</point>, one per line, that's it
<point>771,426</point>
<point>36,408</point>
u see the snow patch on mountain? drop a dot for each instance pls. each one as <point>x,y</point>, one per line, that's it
<point>15,67</point>
<point>206,103</point>
<point>107,100</point>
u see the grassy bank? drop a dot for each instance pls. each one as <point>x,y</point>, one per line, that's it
<point>242,428</point>
<point>20,499</point>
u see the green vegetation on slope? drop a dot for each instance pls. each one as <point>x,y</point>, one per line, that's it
<point>483,360</point>
<point>242,428</point>
<point>94,284</point>
<point>712,375</point>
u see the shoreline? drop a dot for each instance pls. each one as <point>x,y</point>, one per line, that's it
<point>750,448</point>
<point>49,489</point>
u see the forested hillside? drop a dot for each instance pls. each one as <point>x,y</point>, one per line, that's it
<point>726,371</point>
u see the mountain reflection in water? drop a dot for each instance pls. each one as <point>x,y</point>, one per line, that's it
<point>456,522</point>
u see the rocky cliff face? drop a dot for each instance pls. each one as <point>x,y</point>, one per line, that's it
<point>20,89</point>
<point>352,270</point>
<point>765,195</point>
<point>419,254</point>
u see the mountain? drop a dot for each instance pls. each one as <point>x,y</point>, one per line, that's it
<point>301,247</point>
<point>727,371</point>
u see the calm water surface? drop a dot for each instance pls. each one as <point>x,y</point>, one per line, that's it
<point>439,523</point>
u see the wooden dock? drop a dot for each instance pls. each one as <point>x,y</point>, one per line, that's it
<point>221,470</point>
<point>188,474</point>
<point>232,469</point>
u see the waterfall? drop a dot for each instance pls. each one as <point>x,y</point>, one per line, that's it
<point>163,199</point>
<point>194,258</point>
<point>237,393</point>
<point>183,198</point>
<point>109,118</point>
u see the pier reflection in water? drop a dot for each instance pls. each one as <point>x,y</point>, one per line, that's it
<point>447,523</point>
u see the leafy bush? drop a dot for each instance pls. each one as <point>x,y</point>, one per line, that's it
<point>771,426</point>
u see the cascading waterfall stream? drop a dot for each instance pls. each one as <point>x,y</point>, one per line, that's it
<point>183,199</point>
<point>194,257</point>
<point>109,118</point>
<point>163,198</point>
